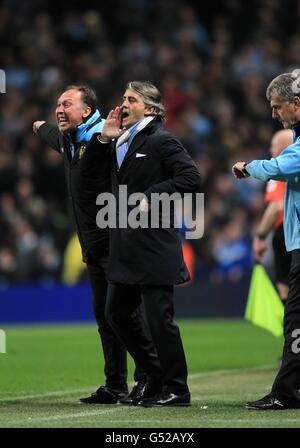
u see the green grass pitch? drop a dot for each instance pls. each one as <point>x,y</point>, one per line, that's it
<point>47,368</point>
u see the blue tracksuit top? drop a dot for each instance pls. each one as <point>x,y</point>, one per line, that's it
<point>285,167</point>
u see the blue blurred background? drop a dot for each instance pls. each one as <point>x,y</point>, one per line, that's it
<point>212,63</point>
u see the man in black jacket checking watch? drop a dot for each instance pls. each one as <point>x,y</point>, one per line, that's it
<point>78,120</point>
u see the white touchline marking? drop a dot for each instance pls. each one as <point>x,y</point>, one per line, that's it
<point>92,388</point>
<point>65,416</point>
<point>48,394</point>
<point>201,418</point>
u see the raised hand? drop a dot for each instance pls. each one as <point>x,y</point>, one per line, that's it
<point>113,125</point>
<point>36,125</point>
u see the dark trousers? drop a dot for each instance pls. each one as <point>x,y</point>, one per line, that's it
<point>171,371</point>
<point>114,351</point>
<point>282,258</point>
<point>287,381</point>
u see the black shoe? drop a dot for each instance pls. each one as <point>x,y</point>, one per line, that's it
<point>105,395</point>
<point>135,395</point>
<point>271,403</point>
<point>140,391</point>
<point>167,399</point>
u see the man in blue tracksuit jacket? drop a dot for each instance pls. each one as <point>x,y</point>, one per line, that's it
<point>284,96</point>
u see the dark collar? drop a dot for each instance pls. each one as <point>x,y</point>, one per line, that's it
<point>296,129</point>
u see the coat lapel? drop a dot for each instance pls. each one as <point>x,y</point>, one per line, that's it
<point>136,143</point>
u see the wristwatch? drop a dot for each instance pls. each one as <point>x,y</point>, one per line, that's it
<point>244,169</point>
<point>104,142</point>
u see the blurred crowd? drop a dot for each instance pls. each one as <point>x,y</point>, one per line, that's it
<point>212,64</point>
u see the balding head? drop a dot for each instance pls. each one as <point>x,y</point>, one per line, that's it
<point>281,139</point>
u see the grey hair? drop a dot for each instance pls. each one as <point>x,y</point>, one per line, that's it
<point>285,86</point>
<point>150,94</point>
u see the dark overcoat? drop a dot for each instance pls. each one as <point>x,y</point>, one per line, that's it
<point>156,162</point>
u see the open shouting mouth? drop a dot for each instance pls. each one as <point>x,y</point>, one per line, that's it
<point>61,120</point>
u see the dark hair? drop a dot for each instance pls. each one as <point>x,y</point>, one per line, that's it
<point>151,95</point>
<point>88,95</point>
